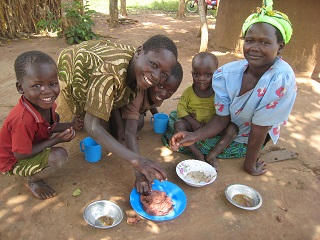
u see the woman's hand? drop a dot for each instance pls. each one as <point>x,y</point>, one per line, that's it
<point>257,169</point>
<point>252,164</point>
<point>182,138</point>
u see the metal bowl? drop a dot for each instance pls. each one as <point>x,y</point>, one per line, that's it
<point>243,196</point>
<point>103,214</point>
<point>196,173</point>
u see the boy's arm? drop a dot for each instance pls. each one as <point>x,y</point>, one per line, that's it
<point>76,123</point>
<point>131,135</point>
<point>60,127</point>
<point>65,136</point>
<point>141,183</point>
<point>115,114</point>
<point>93,126</point>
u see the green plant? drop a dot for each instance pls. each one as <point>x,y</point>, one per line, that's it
<point>213,12</point>
<point>161,5</point>
<point>79,23</point>
<point>166,6</point>
<point>50,24</point>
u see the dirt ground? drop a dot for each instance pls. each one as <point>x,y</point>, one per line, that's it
<point>290,189</point>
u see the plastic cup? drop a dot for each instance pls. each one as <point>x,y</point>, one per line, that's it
<point>92,150</point>
<point>159,121</point>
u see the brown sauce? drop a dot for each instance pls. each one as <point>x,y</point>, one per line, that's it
<point>106,220</point>
<point>243,200</point>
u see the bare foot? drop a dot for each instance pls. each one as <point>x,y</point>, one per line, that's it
<point>212,161</point>
<point>41,190</point>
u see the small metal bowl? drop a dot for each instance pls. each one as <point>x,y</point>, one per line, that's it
<point>243,196</point>
<point>103,214</point>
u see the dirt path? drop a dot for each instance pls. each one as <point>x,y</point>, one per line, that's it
<point>290,189</point>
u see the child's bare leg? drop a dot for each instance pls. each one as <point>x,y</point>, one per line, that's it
<point>228,135</point>
<point>58,156</point>
<point>182,125</point>
<point>141,121</point>
<point>212,160</point>
<point>196,152</point>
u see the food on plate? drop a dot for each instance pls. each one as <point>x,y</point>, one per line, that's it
<point>197,176</point>
<point>158,203</point>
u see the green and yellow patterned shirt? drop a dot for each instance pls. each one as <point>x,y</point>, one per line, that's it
<point>95,74</point>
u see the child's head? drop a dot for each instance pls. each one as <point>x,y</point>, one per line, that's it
<point>37,78</point>
<point>165,89</point>
<point>154,61</point>
<point>204,65</point>
<point>265,34</point>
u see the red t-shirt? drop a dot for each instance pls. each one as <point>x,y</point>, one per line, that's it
<point>23,127</point>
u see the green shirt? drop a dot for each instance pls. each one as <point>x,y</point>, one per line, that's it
<point>190,103</point>
<point>95,74</point>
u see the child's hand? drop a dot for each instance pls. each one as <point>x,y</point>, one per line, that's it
<point>66,136</point>
<point>77,122</point>
<point>195,125</point>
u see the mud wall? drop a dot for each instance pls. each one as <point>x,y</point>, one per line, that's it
<point>302,52</point>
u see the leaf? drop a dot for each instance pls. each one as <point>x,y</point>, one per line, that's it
<point>70,40</point>
<point>76,193</point>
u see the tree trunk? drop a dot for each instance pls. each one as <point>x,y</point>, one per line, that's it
<point>181,13</point>
<point>63,13</point>
<point>113,10</point>
<point>123,8</point>
<point>203,26</point>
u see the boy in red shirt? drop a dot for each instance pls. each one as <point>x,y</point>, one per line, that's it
<point>26,141</point>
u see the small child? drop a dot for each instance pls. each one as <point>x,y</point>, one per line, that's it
<point>26,141</point>
<point>196,106</point>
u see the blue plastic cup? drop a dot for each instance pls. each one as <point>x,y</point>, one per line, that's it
<point>159,121</point>
<point>92,150</point>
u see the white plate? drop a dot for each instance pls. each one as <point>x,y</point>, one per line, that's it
<point>196,173</point>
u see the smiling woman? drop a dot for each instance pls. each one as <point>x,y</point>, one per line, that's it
<point>257,94</point>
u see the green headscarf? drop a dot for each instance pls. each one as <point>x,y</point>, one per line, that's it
<point>273,17</point>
